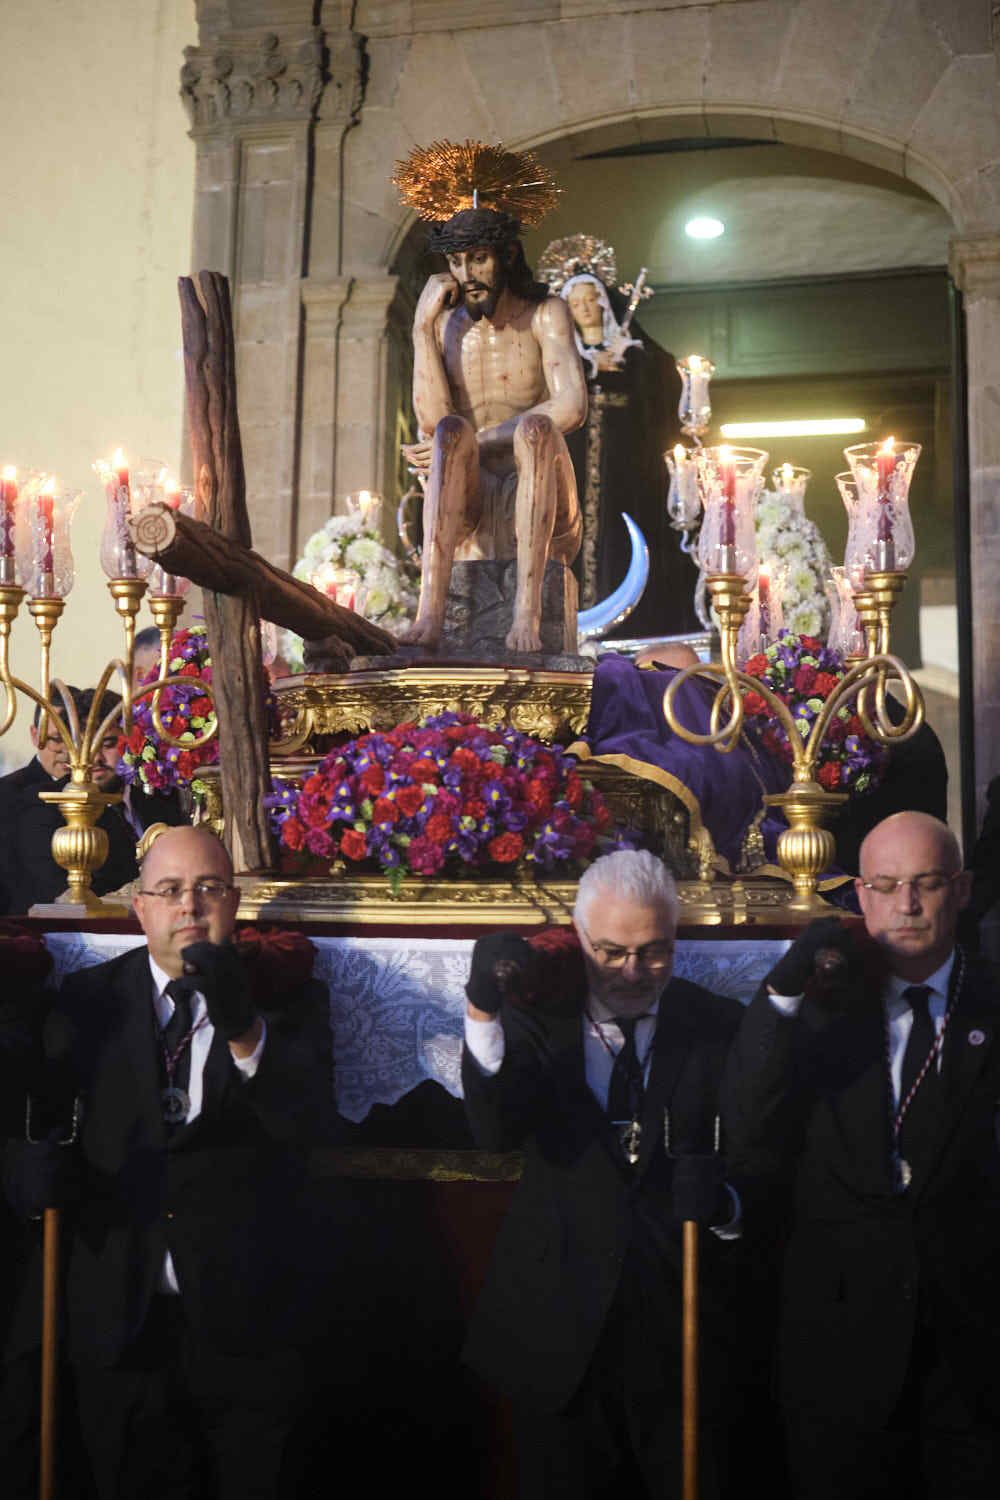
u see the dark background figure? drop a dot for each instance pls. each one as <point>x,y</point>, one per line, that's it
<point>864,1084</point>
<point>581,1064</point>
<point>18,791</point>
<point>637,407</point>
<point>984,863</point>
<point>198,1261</point>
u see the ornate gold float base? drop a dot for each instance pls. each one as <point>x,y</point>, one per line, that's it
<point>553,706</point>
<point>367,900</point>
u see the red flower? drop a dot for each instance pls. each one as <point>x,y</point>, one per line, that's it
<point>319,842</point>
<point>438,828</point>
<point>385,811</point>
<point>424,857</point>
<point>410,800</point>
<point>574,790</point>
<point>201,707</point>
<point>506,848</point>
<point>352,844</point>
<point>293,835</point>
<point>189,669</point>
<point>187,764</point>
<point>854,725</point>
<point>465,760</point>
<point>601,814</point>
<point>474,808</point>
<point>829,775</point>
<point>757,665</point>
<point>754,705</point>
<point>424,769</point>
<point>810,644</point>
<point>447,802</point>
<point>824,684</point>
<point>537,793</point>
<point>805,679</point>
<point>373,779</point>
<point>136,739</point>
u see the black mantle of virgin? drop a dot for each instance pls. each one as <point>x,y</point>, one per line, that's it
<point>634,479</point>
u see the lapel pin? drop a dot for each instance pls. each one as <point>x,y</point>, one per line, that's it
<point>977,1038</point>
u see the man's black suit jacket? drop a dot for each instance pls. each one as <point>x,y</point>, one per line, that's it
<point>226,1195</point>
<point>809,1102</point>
<point>579,1213</point>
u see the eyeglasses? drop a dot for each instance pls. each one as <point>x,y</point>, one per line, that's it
<point>206,890</point>
<point>652,956</point>
<point>928,885</point>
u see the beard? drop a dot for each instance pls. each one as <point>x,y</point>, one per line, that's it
<point>484,307</point>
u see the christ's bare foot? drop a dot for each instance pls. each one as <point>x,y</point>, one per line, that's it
<point>524,635</point>
<point>423,632</point>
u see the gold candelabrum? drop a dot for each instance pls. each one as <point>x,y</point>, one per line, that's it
<point>81,846</point>
<point>807,847</point>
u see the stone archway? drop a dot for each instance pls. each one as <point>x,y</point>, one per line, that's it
<point>298,127</point>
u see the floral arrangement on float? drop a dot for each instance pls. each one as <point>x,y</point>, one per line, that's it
<point>791,545</point>
<point>345,560</point>
<point>445,795</point>
<point>185,713</point>
<point>803,672</point>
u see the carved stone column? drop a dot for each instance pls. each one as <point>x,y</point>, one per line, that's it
<point>253,95</point>
<point>975,269</point>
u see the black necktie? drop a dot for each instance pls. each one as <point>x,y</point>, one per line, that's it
<point>177,1029</point>
<point>920,1121</point>
<point>625,1089</point>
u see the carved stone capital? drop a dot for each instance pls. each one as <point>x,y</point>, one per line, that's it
<point>974,265</point>
<point>259,77</point>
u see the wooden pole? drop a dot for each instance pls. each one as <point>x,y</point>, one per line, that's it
<point>50,1352</point>
<point>690,1360</point>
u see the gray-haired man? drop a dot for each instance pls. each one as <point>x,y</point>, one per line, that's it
<point>606,1070</point>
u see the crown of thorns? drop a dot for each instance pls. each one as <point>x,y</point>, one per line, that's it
<point>444,179</point>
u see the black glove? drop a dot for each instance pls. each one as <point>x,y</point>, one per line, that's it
<point>216,969</point>
<point>39,1175</point>
<point>698,1190</point>
<point>826,952</point>
<point>501,962</point>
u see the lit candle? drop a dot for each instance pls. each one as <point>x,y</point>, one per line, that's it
<point>786,476</point>
<point>122,508</point>
<point>46,502</point>
<point>885,547</point>
<point>367,505</point>
<point>764,603</point>
<point>727,528</point>
<point>8,497</point>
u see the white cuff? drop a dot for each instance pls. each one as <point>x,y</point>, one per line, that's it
<point>788,1005</point>
<point>249,1065</point>
<point>485,1041</point>
<point>733,1227</point>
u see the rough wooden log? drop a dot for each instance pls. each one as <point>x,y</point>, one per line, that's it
<point>232,621</point>
<point>193,550</point>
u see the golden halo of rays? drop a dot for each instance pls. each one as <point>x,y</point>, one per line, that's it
<point>441,179</point>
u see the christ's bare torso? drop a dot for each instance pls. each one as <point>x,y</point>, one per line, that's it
<point>494,371</point>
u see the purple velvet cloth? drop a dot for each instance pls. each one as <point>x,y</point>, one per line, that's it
<point>626,719</point>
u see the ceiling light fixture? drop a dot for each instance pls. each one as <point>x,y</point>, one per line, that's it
<point>704,228</point>
<point>818,427</point>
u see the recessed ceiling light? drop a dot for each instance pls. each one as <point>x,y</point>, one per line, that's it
<point>704,228</point>
<point>819,427</point>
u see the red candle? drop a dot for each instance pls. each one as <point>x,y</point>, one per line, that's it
<point>885,460</point>
<point>764,600</point>
<point>727,523</point>
<point>46,501</point>
<point>8,496</point>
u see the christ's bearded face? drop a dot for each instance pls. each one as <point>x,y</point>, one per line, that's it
<point>481,277</point>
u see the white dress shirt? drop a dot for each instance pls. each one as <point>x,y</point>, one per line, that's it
<point>899,1014</point>
<point>200,1044</point>
<point>602,1041</point>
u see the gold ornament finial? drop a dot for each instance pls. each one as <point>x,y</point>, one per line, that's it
<point>443,178</point>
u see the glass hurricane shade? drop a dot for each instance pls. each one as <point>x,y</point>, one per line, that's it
<point>883,539</point>
<point>44,512</point>
<point>695,405</point>
<point>729,482</point>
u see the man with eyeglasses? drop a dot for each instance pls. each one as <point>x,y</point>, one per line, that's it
<point>866,1077</point>
<point>605,1070</point>
<point>192,1277</point>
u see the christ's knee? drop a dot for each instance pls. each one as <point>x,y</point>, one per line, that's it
<point>534,433</point>
<point>453,432</point>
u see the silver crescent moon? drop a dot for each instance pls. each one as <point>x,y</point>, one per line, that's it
<point>595,622</point>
